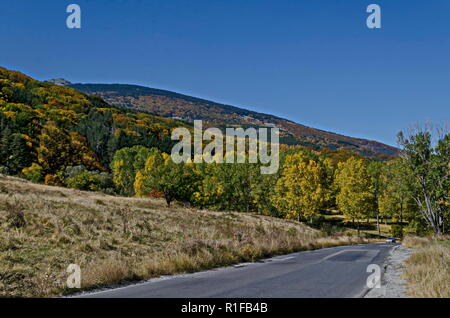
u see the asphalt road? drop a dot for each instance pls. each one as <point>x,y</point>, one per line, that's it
<point>331,272</point>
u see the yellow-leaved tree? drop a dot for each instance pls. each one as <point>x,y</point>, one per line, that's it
<point>139,185</point>
<point>299,191</point>
<point>355,197</point>
<point>175,181</point>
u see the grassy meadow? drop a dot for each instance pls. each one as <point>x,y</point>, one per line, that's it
<point>43,229</point>
<point>428,269</point>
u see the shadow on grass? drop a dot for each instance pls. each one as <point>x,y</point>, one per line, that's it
<point>332,223</point>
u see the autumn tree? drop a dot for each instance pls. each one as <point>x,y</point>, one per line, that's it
<point>239,181</point>
<point>175,181</point>
<point>262,193</point>
<point>299,192</point>
<point>33,173</point>
<point>237,187</point>
<point>127,162</point>
<point>355,197</point>
<point>54,151</point>
<point>374,170</point>
<point>330,190</point>
<point>211,186</point>
<point>396,192</point>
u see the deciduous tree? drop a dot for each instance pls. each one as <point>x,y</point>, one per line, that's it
<point>429,164</point>
<point>355,197</point>
<point>299,192</point>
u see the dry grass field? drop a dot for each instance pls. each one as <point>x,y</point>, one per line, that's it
<point>115,239</point>
<point>428,269</point>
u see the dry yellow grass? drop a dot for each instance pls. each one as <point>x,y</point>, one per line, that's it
<point>428,269</point>
<point>113,239</point>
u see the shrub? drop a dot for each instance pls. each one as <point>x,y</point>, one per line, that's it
<point>417,227</point>
<point>15,217</point>
<point>33,173</point>
<point>52,180</point>
<point>83,181</point>
<point>72,171</point>
<point>91,181</point>
<point>397,230</point>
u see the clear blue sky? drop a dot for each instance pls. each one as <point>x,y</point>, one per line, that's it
<point>311,61</point>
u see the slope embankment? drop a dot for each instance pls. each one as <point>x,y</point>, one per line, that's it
<point>115,239</point>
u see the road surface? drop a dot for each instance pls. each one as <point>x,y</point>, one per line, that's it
<point>330,272</point>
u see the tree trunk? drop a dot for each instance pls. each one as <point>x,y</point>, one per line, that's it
<point>168,199</point>
<point>378,222</point>
<point>401,213</point>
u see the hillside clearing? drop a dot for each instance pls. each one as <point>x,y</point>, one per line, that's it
<point>116,239</point>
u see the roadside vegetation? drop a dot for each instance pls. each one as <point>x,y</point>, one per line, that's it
<point>428,269</point>
<point>410,192</point>
<point>115,239</point>
<point>58,136</point>
<point>145,215</point>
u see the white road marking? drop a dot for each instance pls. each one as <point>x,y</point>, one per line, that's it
<point>282,259</point>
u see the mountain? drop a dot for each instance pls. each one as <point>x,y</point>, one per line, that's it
<point>46,129</point>
<point>179,106</point>
<point>59,81</point>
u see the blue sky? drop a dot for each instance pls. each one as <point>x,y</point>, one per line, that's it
<point>311,61</point>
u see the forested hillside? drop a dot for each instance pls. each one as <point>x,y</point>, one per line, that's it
<point>57,135</point>
<point>46,130</point>
<point>170,104</point>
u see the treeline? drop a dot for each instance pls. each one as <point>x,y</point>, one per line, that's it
<point>58,136</point>
<point>306,184</point>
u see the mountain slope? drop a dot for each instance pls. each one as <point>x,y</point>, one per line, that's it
<point>46,128</point>
<point>179,106</point>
